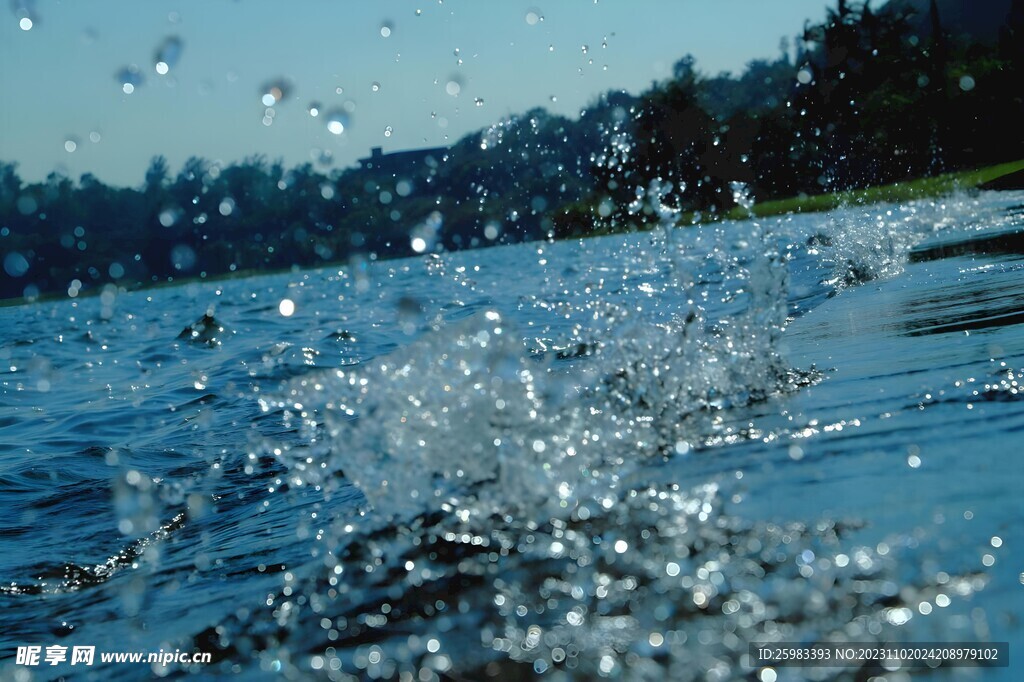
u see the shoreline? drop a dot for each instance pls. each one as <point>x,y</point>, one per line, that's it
<point>912,190</point>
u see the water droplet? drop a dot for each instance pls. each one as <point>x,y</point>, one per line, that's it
<point>169,216</point>
<point>424,236</point>
<point>25,24</point>
<point>286,307</point>
<point>325,158</point>
<point>532,17</point>
<point>314,109</point>
<point>183,258</point>
<point>26,205</point>
<point>15,264</point>
<point>275,91</point>
<point>136,506</point>
<point>130,77</point>
<point>478,101</point>
<point>387,131</point>
<point>70,145</point>
<point>453,87</point>
<point>167,55</point>
<point>385,29</point>
<point>804,76</point>
<point>410,314</point>
<point>337,121</point>
<point>967,83</point>
<point>375,87</point>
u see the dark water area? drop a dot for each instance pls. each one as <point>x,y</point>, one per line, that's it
<point>627,457</point>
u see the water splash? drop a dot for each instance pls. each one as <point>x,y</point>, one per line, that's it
<point>530,436</point>
<point>876,242</point>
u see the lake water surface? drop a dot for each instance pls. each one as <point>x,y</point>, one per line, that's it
<point>627,457</point>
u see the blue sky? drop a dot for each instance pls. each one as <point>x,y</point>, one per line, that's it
<point>61,93</point>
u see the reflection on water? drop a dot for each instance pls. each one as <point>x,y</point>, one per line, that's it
<point>1002,243</point>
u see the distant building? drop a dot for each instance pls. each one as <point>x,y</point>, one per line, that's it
<point>404,160</point>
